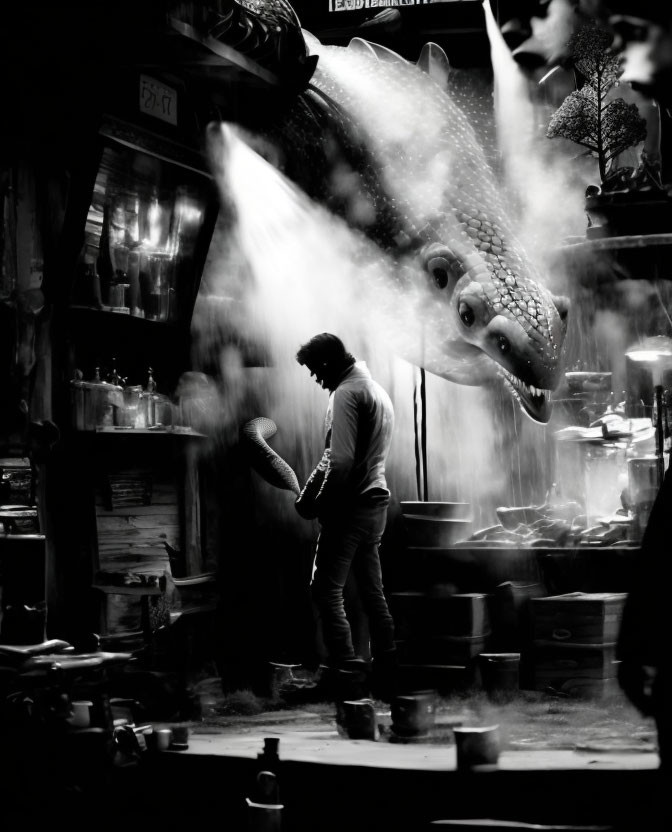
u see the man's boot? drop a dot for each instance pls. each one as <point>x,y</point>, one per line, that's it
<point>352,680</point>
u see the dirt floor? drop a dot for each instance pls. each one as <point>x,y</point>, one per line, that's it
<point>531,720</point>
<point>559,760</point>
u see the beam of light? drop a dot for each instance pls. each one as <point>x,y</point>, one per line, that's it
<point>288,269</point>
<point>542,185</point>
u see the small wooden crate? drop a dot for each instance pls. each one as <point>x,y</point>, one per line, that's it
<point>408,611</point>
<point>462,614</point>
<point>578,617</point>
<point>578,688</point>
<point>442,650</point>
<point>443,678</point>
<point>431,614</point>
<point>574,661</point>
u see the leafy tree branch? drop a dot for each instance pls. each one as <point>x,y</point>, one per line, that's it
<point>605,127</point>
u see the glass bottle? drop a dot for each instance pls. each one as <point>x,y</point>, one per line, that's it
<point>114,377</point>
<point>151,384</point>
<point>104,266</point>
<point>269,758</point>
<point>115,398</point>
<point>150,398</point>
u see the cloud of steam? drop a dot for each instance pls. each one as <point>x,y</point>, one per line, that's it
<point>287,269</point>
<point>553,32</point>
<point>282,268</point>
<point>539,181</point>
<point>402,119</point>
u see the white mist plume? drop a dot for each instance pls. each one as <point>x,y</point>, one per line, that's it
<point>401,119</point>
<point>550,208</point>
<point>289,269</point>
<point>553,32</point>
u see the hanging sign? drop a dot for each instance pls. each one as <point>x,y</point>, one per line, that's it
<point>158,100</point>
<point>355,5</point>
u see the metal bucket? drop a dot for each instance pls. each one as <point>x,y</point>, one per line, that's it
<point>93,404</point>
<point>643,479</point>
<point>443,510</point>
<point>477,748</point>
<point>500,674</point>
<point>643,488</point>
<point>413,715</point>
<point>128,414</point>
<point>357,719</point>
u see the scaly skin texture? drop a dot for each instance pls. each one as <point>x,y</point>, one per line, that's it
<point>269,32</point>
<point>469,305</point>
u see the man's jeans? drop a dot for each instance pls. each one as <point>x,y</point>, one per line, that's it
<point>351,539</point>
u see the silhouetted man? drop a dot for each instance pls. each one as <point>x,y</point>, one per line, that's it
<point>350,500</point>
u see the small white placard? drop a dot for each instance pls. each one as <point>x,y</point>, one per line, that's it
<point>158,100</point>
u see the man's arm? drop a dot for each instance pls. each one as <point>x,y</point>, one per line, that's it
<point>327,484</point>
<point>343,442</point>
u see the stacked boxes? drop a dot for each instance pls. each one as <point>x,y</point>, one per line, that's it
<point>574,642</point>
<point>443,633</point>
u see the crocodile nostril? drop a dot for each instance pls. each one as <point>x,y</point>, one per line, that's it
<point>503,344</point>
<point>466,314</point>
<point>440,276</point>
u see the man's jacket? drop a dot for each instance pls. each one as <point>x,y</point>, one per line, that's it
<point>358,433</point>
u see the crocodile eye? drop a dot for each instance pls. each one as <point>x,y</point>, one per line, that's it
<point>466,314</point>
<point>503,344</point>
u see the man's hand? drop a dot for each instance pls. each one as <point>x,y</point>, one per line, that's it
<point>306,508</point>
<point>636,681</point>
<point>308,503</point>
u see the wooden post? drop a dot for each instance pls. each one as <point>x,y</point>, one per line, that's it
<point>192,512</point>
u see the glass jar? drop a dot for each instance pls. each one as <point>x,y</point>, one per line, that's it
<point>163,410</point>
<point>127,415</point>
<point>103,404</point>
<point>146,417</point>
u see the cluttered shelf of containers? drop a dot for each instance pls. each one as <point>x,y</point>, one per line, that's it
<point>584,534</point>
<point>113,405</point>
<point>539,594</point>
<point>148,225</point>
<point>147,229</point>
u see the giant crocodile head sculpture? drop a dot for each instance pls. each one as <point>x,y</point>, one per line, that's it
<point>431,202</point>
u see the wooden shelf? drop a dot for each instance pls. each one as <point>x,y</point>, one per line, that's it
<point>91,317</point>
<point>175,615</point>
<point>194,594</point>
<point>635,257</point>
<point>186,433</point>
<point>22,538</point>
<point>85,309</point>
<point>636,241</point>
<point>195,580</point>
<point>130,589</point>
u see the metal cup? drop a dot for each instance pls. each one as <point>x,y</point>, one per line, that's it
<point>358,719</point>
<point>500,674</point>
<point>81,714</point>
<point>160,739</point>
<point>413,715</point>
<point>477,748</point>
<point>180,737</point>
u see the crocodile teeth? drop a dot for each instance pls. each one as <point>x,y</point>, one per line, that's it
<point>530,390</point>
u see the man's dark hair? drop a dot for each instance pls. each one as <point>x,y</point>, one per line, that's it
<point>324,349</point>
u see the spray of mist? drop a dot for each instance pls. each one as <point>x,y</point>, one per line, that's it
<point>283,271</point>
<point>282,268</point>
<point>539,182</point>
